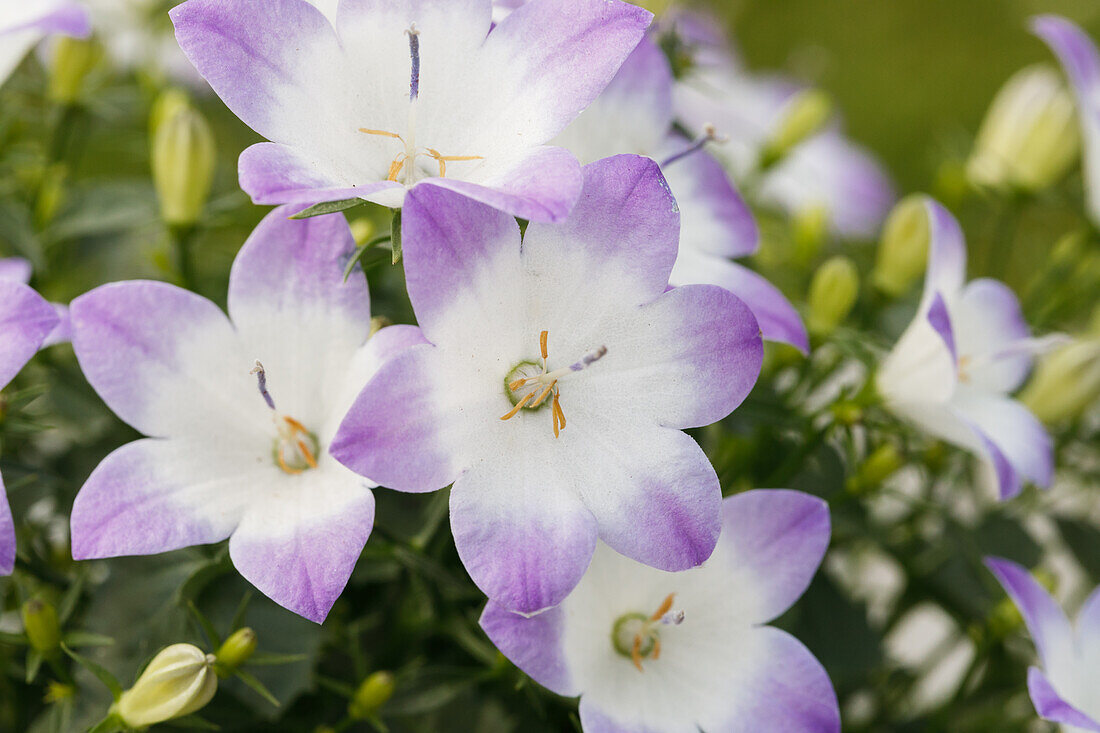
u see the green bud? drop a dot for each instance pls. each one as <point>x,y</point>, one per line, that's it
<point>167,105</point>
<point>183,164</point>
<point>179,681</point>
<point>363,230</point>
<point>879,466</point>
<point>1066,382</point>
<point>73,59</point>
<point>41,626</point>
<point>804,116</point>
<point>1030,137</point>
<point>903,251</point>
<point>235,651</point>
<point>833,293</point>
<point>51,194</point>
<point>371,696</point>
<point>809,230</point>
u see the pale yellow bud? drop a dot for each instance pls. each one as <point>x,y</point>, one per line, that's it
<point>1066,382</point>
<point>372,694</point>
<point>804,116</point>
<point>167,104</point>
<point>903,251</point>
<point>833,293</point>
<point>1030,136</point>
<point>183,164</point>
<point>73,59</point>
<point>41,626</point>
<point>236,650</point>
<point>179,681</point>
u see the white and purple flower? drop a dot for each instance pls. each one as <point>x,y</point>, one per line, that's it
<point>1066,689</point>
<point>23,24</point>
<point>19,270</point>
<point>387,95</point>
<point>952,370</point>
<point>650,651</point>
<point>560,374</point>
<point>240,411</point>
<point>634,115</point>
<point>26,320</point>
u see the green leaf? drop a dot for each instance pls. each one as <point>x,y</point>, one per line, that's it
<point>72,596</point>
<point>34,661</point>
<point>87,638</point>
<point>257,686</point>
<point>192,722</point>
<point>111,724</point>
<point>204,623</point>
<point>395,235</point>
<point>238,615</point>
<point>7,637</point>
<point>328,207</point>
<point>266,659</point>
<point>100,672</point>
<point>368,256</point>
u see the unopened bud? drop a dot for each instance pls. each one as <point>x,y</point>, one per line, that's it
<point>1030,136</point>
<point>235,651</point>
<point>903,251</point>
<point>41,626</point>
<point>179,681</point>
<point>809,230</point>
<point>167,105</point>
<point>377,323</point>
<point>375,691</point>
<point>1066,382</point>
<point>833,293</point>
<point>73,59</point>
<point>879,466</point>
<point>183,165</point>
<point>363,230</point>
<point>804,116</point>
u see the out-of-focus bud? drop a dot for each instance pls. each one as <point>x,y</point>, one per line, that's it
<point>58,692</point>
<point>833,292</point>
<point>1066,382</point>
<point>183,164</point>
<point>809,230</point>
<point>804,116</point>
<point>41,626</point>
<point>179,681</point>
<point>903,251</point>
<point>371,696</point>
<point>167,104</point>
<point>73,59</point>
<point>1030,136</point>
<point>235,651</point>
<point>51,194</point>
<point>363,230</point>
<point>879,466</point>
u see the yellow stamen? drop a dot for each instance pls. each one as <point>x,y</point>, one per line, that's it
<point>307,453</point>
<point>559,416</point>
<point>657,648</point>
<point>542,396</point>
<point>636,652</point>
<point>542,345</point>
<point>443,160</point>
<point>519,406</point>
<point>663,608</point>
<point>295,425</point>
<point>645,631</point>
<point>383,133</point>
<point>395,167</point>
<point>517,384</point>
<point>283,464</point>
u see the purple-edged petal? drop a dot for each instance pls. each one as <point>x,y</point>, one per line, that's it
<point>540,185</point>
<point>777,317</point>
<point>1087,626</point>
<point>939,318</point>
<point>16,269</point>
<point>946,254</point>
<point>714,218</point>
<point>300,545</point>
<point>155,495</point>
<point>47,16</point>
<point>779,537</point>
<point>1051,706</point>
<point>25,322</point>
<point>534,644</point>
<point>1044,618</point>
<point>524,538</point>
<point>276,174</point>
<point>7,534</point>
<point>990,323</point>
<point>595,720</point>
<point>997,470</point>
<point>1013,429</point>
<point>63,331</point>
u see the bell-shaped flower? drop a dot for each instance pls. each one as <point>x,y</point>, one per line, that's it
<point>23,24</point>
<point>1081,62</point>
<point>385,95</point>
<point>26,320</point>
<point>953,369</point>
<point>240,412</point>
<point>825,173</point>
<point>560,372</point>
<point>1064,690</point>
<point>648,650</point>
<point>634,115</point>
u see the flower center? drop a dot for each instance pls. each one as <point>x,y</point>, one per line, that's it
<point>638,636</point>
<point>296,448</point>
<point>403,168</point>
<point>529,383</point>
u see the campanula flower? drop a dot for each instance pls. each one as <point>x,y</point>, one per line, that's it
<point>384,96</point>
<point>651,651</point>
<point>240,412</point>
<point>23,24</point>
<point>560,372</point>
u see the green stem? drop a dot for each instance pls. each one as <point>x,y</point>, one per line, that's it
<point>183,238</point>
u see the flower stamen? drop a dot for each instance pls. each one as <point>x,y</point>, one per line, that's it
<point>544,385</point>
<point>710,135</point>
<point>293,437</point>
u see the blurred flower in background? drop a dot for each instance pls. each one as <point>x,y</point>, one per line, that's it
<point>24,24</point>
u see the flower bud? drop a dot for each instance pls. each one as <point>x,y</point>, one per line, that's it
<point>1066,382</point>
<point>879,466</point>
<point>1030,136</point>
<point>235,650</point>
<point>41,626</point>
<point>833,292</point>
<point>903,251</point>
<point>73,59</point>
<point>809,230</point>
<point>363,230</point>
<point>167,104</point>
<point>183,164</point>
<point>371,696</point>
<point>804,116</point>
<point>179,681</point>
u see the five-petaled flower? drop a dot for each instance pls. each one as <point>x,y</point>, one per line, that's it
<point>1065,689</point>
<point>628,364</point>
<point>967,348</point>
<point>651,651</point>
<point>383,96</point>
<point>240,412</point>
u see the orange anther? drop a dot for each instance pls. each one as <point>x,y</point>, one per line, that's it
<point>663,608</point>
<point>383,133</point>
<point>542,343</point>
<point>636,652</point>
<point>519,406</point>
<point>517,384</point>
<point>542,396</point>
<point>307,453</point>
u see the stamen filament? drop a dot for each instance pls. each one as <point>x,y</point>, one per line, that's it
<point>283,465</point>
<point>710,134</point>
<point>636,652</point>
<point>519,406</point>
<point>383,133</point>
<point>542,396</point>
<point>307,453</point>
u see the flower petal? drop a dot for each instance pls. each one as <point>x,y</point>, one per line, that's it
<point>523,536</point>
<point>300,544</point>
<point>989,321</point>
<point>16,269</point>
<point>1044,618</point>
<point>25,322</point>
<point>276,174</point>
<point>534,644</point>
<point>1051,706</point>
<point>153,495</point>
<point>779,538</point>
<point>946,254</point>
<point>1013,429</point>
<point>7,534</point>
